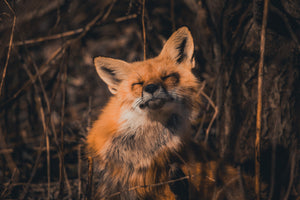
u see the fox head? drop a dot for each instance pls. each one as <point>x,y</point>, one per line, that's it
<point>156,86</point>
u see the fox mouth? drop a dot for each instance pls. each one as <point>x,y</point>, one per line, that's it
<point>155,103</point>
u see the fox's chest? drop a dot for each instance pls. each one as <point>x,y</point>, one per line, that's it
<point>140,146</point>
<point>139,155</point>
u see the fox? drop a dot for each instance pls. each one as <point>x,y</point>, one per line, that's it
<point>142,143</point>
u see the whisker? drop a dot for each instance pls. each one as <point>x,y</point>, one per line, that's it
<point>137,103</point>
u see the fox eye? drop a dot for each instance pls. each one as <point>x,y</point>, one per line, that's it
<point>172,78</point>
<point>136,84</point>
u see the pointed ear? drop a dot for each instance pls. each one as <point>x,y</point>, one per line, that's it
<point>111,71</point>
<point>180,47</point>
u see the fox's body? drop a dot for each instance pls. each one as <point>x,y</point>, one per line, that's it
<point>142,137</point>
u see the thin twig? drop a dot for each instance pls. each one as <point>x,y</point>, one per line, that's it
<point>8,52</point>
<point>61,163</point>
<point>89,186</point>
<point>50,37</point>
<point>205,113</point>
<point>10,8</point>
<point>58,16</point>
<point>144,29</point>
<point>241,185</point>
<point>9,185</point>
<point>67,183</point>
<point>39,185</point>
<point>259,100</point>
<point>48,148</point>
<point>11,165</point>
<point>9,159</point>
<point>273,166</point>
<point>79,171</point>
<point>214,116</point>
<point>6,150</point>
<point>292,173</point>
<point>66,34</point>
<point>127,17</point>
<point>89,118</point>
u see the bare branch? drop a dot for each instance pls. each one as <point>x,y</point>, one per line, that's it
<point>259,100</point>
<point>8,52</point>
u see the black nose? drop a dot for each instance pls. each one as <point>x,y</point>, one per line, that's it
<point>151,88</point>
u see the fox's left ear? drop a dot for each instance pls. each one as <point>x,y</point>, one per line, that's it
<point>111,71</point>
<point>180,48</point>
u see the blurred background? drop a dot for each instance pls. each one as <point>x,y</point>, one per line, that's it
<point>50,92</point>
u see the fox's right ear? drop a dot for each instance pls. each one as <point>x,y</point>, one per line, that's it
<point>180,48</point>
<point>111,71</point>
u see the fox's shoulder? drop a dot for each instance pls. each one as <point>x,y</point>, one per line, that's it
<point>104,128</point>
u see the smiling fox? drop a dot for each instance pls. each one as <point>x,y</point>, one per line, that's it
<point>142,139</point>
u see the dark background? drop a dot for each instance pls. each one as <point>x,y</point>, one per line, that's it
<point>51,92</point>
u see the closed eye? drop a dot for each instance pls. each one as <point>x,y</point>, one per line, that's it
<point>174,77</point>
<point>138,83</point>
<point>137,87</point>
